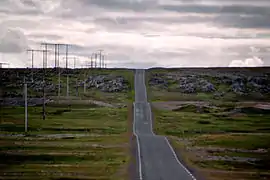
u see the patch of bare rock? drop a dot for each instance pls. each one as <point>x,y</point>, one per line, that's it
<point>211,82</point>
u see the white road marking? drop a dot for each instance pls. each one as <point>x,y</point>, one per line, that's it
<point>138,112</point>
<point>151,121</point>
<point>175,156</point>
<point>138,143</point>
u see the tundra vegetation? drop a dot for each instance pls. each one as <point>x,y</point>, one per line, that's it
<point>84,135</point>
<point>218,120</point>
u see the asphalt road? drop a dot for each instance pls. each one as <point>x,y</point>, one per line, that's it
<point>156,158</point>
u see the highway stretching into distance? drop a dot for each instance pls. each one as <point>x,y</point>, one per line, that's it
<point>156,160</point>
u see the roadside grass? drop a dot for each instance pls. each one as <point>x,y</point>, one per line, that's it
<point>197,134</point>
<point>101,152</point>
<point>65,158</point>
<point>181,123</point>
<point>219,169</point>
<point>163,95</point>
<point>107,97</point>
<point>91,120</point>
<point>188,129</point>
<point>247,141</point>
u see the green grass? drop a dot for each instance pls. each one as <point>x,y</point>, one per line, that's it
<point>193,131</point>
<point>101,154</point>
<point>230,166</point>
<point>247,141</point>
<point>69,158</point>
<point>241,154</point>
<point>92,120</point>
<point>181,123</point>
<point>163,95</point>
<point>215,127</point>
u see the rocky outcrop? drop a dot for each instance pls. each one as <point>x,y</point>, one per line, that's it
<point>194,84</point>
<point>107,83</point>
<point>217,83</point>
<point>12,82</point>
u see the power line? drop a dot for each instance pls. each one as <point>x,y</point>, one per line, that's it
<point>100,58</point>
<point>66,45</point>
<point>56,51</point>
<point>44,82</point>
<point>32,59</point>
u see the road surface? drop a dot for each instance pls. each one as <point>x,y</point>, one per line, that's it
<point>156,158</point>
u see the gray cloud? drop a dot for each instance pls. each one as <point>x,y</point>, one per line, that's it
<point>257,21</point>
<point>134,5</point>
<point>213,9</point>
<point>47,36</point>
<point>143,32</point>
<point>19,7</point>
<point>12,41</point>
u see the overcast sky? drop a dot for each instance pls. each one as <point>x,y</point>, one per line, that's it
<point>140,33</point>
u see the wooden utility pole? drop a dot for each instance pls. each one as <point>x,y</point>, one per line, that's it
<point>59,72</point>
<point>56,51</point>
<point>103,61</point>
<point>44,82</point>
<point>32,60</point>
<point>100,58</point>
<point>56,62</point>
<point>67,93</point>
<point>57,45</point>
<point>92,62</point>
<point>44,62</point>
<point>55,55</point>
<point>95,60</point>
<point>25,106</point>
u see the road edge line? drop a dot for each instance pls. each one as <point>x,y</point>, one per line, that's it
<point>175,156</point>
<point>151,120</point>
<point>138,142</point>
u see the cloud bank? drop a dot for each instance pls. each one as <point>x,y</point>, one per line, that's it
<point>140,33</point>
<point>250,62</point>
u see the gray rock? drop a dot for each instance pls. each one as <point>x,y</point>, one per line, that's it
<point>208,87</point>
<point>107,83</point>
<point>192,84</point>
<point>158,81</point>
<point>187,88</point>
<point>238,87</point>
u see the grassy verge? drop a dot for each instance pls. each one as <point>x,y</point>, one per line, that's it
<point>217,133</point>
<point>162,95</point>
<point>96,145</point>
